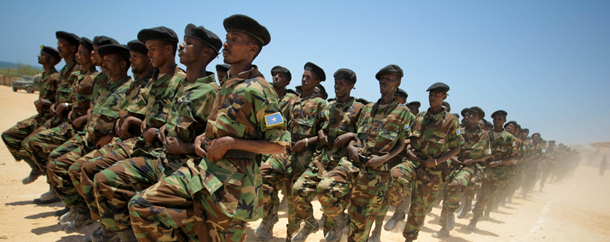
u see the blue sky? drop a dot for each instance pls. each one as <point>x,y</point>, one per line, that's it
<point>547,63</point>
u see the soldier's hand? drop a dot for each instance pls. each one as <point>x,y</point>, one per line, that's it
<point>125,127</point>
<point>298,146</point>
<point>149,135</point>
<point>412,156</point>
<point>375,161</point>
<point>353,153</point>
<point>161,135</point>
<point>38,104</point>
<point>59,109</point>
<point>52,109</point>
<point>198,148</point>
<point>219,147</point>
<point>343,139</point>
<point>117,127</point>
<point>174,145</point>
<point>323,138</point>
<point>428,163</point>
<point>468,162</point>
<point>142,127</point>
<point>104,141</point>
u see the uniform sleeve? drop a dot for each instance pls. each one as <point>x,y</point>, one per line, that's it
<point>454,139</point>
<point>326,117</point>
<point>109,111</point>
<point>407,125</point>
<point>268,116</point>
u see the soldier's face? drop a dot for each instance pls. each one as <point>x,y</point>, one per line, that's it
<point>536,138</point>
<point>388,84</point>
<point>83,56</point>
<point>499,121</point>
<point>472,118</point>
<point>112,65</point>
<point>436,98</point>
<point>65,49</point>
<point>238,48</point>
<point>343,88</point>
<point>510,128</point>
<point>525,133</point>
<point>158,52</point>
<point>96,58</point>
<point>280,80</point>
<point>191,50</point>
<point>414,110</point>
<point>309,81</point>
<point>43,57</point>
<point>139,62</point>
<point>400,99</point>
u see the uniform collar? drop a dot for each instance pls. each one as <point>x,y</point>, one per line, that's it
<point>242,76</point>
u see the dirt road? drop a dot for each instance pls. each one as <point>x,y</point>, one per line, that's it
<point>574,210</point>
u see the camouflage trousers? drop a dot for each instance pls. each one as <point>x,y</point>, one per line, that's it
<point>42,142</point>
<point>493,180</point>
<point>15,135</point>
<point>60,161</point>
<point>529,180</point>
<point>335,190</point>
<point>83,171</point>
<point>278,170</point>
<point>423,185</point>
<point>460,179</point>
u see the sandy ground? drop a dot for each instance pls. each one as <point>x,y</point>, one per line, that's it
<point>574,210</point>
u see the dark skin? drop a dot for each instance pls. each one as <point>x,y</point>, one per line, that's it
<point>435,98</point>
<point>161,56</point>
<point>221,76</point>
<point>309,82</point>
<point>388,84</point>
<point>498,121</point>
<point>83,58</point>
<point>400,100</point>
<point>48,62</point>
<point>116,68</point>
<point>195,55</point>
<point>279,84</point>
<point>68,53</point>
<point>343,91</point>
<point>472,120</point>
<point>414,109</point>
<point>239,51</point>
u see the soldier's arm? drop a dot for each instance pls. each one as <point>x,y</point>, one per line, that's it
<point>377,161</point>
<point>220,146</point>
<point>431,162</point>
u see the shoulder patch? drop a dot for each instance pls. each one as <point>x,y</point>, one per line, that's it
<point>406,127</point>
<point>274,119</point>
<point>543,150</point>
<point>514,144</point>
<point>459,131</point>
<point>324,113</point>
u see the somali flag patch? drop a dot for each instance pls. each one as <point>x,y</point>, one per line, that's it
<point>406,127</point>
<point>459,131</point>
<point>323,113</point>
<point>274,119</point>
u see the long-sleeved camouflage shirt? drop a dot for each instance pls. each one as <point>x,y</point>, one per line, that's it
<point>434,134</point>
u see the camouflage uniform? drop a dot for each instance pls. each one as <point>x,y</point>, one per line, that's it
<point>379,128</point>
<point>476,145</point>
<point>114,186</point>
<point>15,135</point>
<point>84,169</point>
<point>537,153</point>
<point>502,147</point>
<point>432,135</point>
<point>77,90</point>
<point>339,118</point>
<point>225,194</point>
<point>101,123</point>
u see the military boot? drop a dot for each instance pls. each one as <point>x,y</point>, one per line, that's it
<point>127,235</point>
<point>341,221</point>
<point>47,197</point>
<point>376,234</point>
<point>81,219</point>
<point>399,214</point>
<point>97,233</point>
<point>62,211</point>
<point>473,223</point>
<point>311,226</point>
<point>34,174</point>
<point>441,233</point>
<point>467,207</point>
<point>69,216</point>
<point>264,231</point>
<point>109,236</point>
<point>450,221</point>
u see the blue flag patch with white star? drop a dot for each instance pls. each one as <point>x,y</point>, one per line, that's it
<point>274,119</point>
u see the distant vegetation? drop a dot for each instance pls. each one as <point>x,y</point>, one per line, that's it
<point>12,69</point>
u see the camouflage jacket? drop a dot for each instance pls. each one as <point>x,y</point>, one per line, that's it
<point>132,97</point>
<point>64,89</point>
<point>286,103</point>
<point>340,118</point>
<point>434,134</point>
<point>106,111</point>
<point>245,108</point>
<point>475,145</point>
<point>82,89</point>
<point>100,82</point>
<point>502,145</point>
<point>305,117</point>
<point>48,90</point>
<point>381,126</point>
<point>160,92</point>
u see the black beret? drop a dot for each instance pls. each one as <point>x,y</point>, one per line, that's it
<point>511,122</point>
<point>525,130</point>
<point>70,37</point>
<point>446,104</point>
<point>299,87</point>
<point>499,112</point>
<point>160,33</point>
<point>551,141</point>
<point>323,91</point>
<point>316,71</point>
<point>243,23</point>
<point>477,110</point>
<point>346,74</point>
<point>457,115</point>
<point>438,87</point>
<point>390,69</point>
<point>113,49</point>
<point>103,40</point>
<point>363,101</point>
<point>87,43</point>
<point>464,111</point>
<point>331,99</point>
<point>51,51</point>
<point>401,93</point>
<point>223,67</point>
<point>414,103</point>
<point>291,91</point>
<point>281,69</point>
<point>206,36</point>
<point>137,46</point>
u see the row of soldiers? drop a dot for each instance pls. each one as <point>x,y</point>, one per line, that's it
<point>171,155</point>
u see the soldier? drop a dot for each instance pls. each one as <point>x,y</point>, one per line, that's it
<point>320,92</point>
<point>339,127</point>
<point>414,107</point>
<point>361,178</point>
<point>133,164</point>
<point>602,166</point>
<point>102,78</point>
<point>281,78</point>
<point>475,149</point>
<point>502,145</point>
<point>224,187</point>
<point>48,58</point>
<point>548,164</point>
<point>221,72</point>
<point>434,140</point>
<point>401,96</point>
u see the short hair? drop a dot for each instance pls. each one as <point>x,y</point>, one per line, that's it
<point>255,41</point>
<point>172,44</point>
